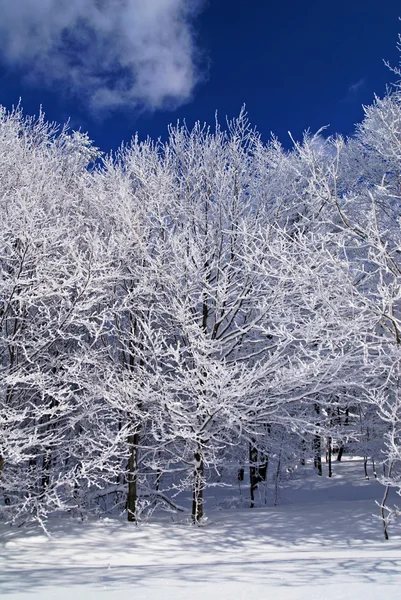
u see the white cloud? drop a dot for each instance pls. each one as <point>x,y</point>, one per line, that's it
<point>113,52</point>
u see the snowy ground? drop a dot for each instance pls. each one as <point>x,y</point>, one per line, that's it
<point>321,542</point>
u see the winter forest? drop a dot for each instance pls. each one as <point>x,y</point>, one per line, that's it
<point>188,314</point>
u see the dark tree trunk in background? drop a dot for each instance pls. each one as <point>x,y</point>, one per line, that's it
<point>47,460</point>
<point>303,455</point>
<point>257,470</point>
<point>365,466</point>
<point>317,446</point>
<point>132,477</point>
<point>253,482</point>
<point>329,455</point>
<point>197,494</point>
<point>317,451</point>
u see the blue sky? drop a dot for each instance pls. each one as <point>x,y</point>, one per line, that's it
<point>115,67</point>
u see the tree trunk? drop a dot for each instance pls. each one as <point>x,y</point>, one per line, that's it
<point>317,447</point>
<point>383,513</point>
<point>253,482</point>
<point>276,485</point>
<point>258,465</point>
<point>329,455</point>
<point>385,519</point>
<point>197,494</point>
<point>365,466</point>
<point>132,477</point>
<point>47,459</point>
<point>302,461</point>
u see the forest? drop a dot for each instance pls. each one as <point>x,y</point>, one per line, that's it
<point>194,312</point>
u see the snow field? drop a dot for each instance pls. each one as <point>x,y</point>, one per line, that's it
<point>322,541</point>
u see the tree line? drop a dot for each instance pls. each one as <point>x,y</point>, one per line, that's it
<point>181,312</point>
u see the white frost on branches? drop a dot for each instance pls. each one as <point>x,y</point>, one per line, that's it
<point>189,308</point>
